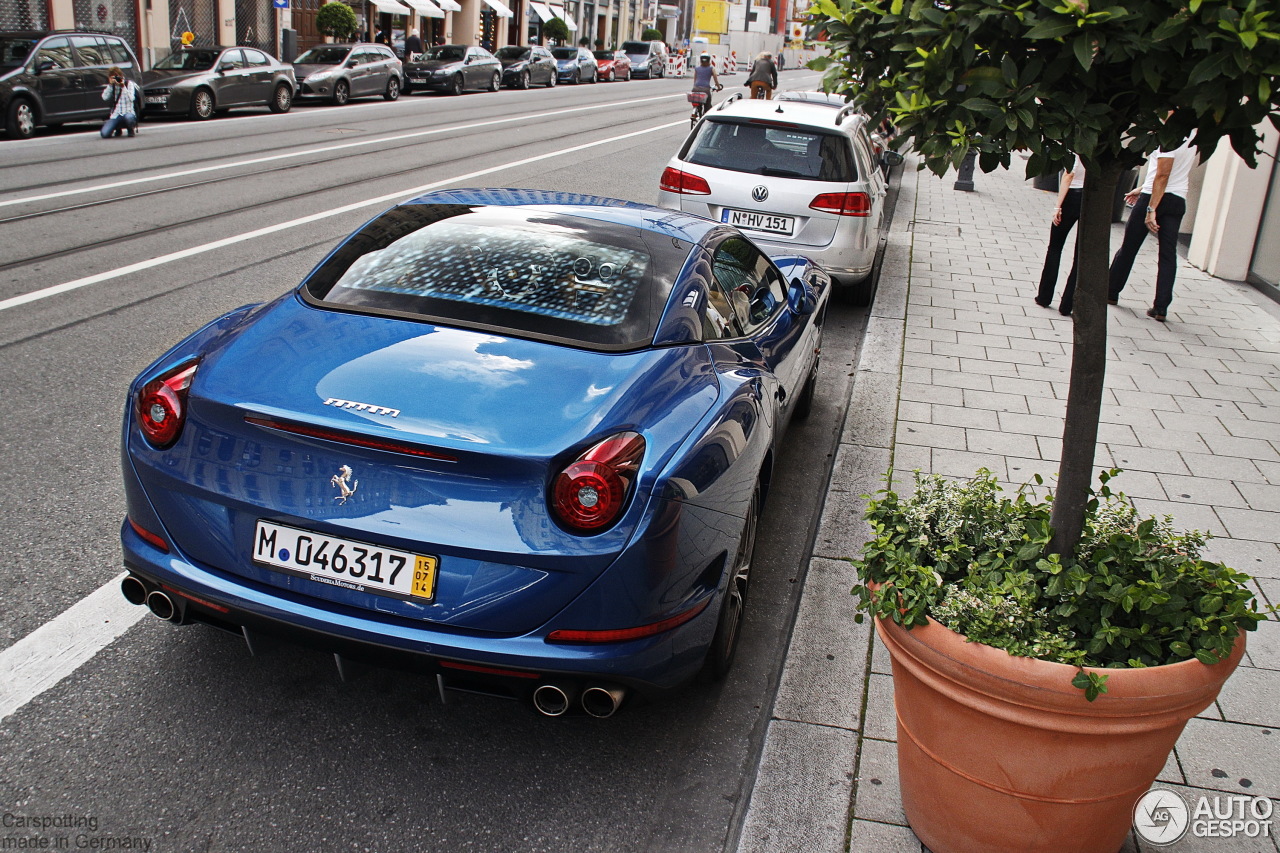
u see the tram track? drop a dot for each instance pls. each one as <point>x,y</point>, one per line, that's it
<point>465,154</point>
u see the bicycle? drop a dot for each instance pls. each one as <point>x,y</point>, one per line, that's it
<point>701,105</point>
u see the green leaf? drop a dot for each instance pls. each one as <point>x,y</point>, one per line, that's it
<point>1051,28</point>
<point>1083,47</point>
<point>1206,657</point>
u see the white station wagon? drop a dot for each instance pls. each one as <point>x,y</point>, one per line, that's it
<point>796,177</point>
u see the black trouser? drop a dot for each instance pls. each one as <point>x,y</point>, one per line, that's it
<point>1169,218</point>
<point>1053,257</point>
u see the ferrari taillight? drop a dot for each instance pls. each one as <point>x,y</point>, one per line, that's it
<point>162,405</point>
<point>685,183</point>
<point>591,492</point>
<point>843,204</point>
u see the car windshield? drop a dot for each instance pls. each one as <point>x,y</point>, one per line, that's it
<point>448,53</point>
<point>602,54</point>
<point>323,56</point>
<point>14,51</point>
<point>635,47</point>
<point>524,271</point>
<point>512,53</point>
<point>769,148</point>
<point>189,60</point>
<point>565,52</point>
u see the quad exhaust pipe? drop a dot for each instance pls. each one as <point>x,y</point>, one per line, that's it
<point>601,701</point>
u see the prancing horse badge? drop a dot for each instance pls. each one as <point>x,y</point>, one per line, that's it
<point>343,481</point>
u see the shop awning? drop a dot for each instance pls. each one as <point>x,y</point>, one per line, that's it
<point>665,11</point>
<point>391,6</point>
<point>449,5</point>
<point>542,11</point>
<point>558,11</point>
<point>426,8</point>
<point>500,7</point>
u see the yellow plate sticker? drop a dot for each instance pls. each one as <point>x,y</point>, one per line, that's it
<point>424,577</point>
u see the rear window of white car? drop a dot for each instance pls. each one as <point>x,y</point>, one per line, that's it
<point>770,148</point>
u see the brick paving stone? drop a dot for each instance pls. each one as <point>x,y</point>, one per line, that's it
<point>1185,515</point>
<point>1249,523</point>
<point>1235,468</point>
<point>877,796</point>
<point>932,435</point>
<point>1252,695</point>
<point>1201,490</point>
<point>1260,559</point>
<point>1168,439</point>
<point>1225,756</point>
<point>866,836</point>
<point>1005,443</point>
<point>1249,448</point>
<point>1261,496</point>
<point>980,399</point>
<point>1263,648</point>
<point>1145,459</point>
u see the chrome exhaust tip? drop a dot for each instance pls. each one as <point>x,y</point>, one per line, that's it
<point>551,700</point>
<point>133,590</point>
<point>602,702</point>
<point>161,605</point>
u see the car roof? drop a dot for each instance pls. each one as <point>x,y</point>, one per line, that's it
<point>795,112</point>
<point>826,99</point>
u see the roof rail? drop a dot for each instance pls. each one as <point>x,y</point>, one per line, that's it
<point>852,109</point>
<point>736,96</point>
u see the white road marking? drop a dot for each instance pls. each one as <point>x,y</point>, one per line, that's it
<point>98,278</point>
<point>307,152</point>
<point>57,648</point>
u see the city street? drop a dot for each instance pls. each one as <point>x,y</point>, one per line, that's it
<point>115,249</point>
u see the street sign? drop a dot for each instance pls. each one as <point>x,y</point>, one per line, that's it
<point>280,4</point>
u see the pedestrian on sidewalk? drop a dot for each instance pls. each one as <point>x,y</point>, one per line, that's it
<point>121,94</point>
<point>1158,207</point>
<point>763,78</point>
<point>412,46</point>
<point>1065,217</point>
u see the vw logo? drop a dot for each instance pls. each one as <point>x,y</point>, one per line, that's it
<point>760,193</point>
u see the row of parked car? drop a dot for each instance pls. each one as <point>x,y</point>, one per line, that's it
<point>49,78</point>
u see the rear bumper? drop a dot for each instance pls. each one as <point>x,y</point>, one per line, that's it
<point>650,666</point>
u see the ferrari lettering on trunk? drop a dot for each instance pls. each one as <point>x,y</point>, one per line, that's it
<point>362,407</point>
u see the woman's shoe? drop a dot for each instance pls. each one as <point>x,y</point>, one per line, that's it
<point>1151,312</point>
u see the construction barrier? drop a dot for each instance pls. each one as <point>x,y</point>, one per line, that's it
<point>728,65</point>
<point>676,66</point>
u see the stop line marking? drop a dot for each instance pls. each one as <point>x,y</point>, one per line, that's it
<point>322,150</point>
<point>108,275</point>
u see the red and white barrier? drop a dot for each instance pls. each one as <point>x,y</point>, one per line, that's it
<point>730,65</point>
<point>676,66</point>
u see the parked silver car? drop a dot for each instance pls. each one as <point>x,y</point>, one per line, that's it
<point>340,72</point>
<point>796,177</point>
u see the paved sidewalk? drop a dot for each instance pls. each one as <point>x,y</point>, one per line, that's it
<point>960,369</point>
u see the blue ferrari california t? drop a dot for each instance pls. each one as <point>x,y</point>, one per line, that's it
<point>518,440</point>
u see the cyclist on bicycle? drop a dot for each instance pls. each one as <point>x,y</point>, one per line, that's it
<point>704,77</point>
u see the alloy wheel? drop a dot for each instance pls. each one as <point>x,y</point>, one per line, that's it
<point>22,119</point>
<point>455,85</point>
<point>524,79</point>
<point>202,104</point>
<point>724,644</point>
<point>282,100</point>
<point>341,92</point>
<point>393,89</point>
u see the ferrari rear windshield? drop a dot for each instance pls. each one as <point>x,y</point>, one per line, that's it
<point>526,271</point>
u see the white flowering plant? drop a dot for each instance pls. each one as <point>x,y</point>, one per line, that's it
<point>1135,593</point>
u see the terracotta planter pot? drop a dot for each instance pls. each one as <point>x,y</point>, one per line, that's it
<point>1001,753</point>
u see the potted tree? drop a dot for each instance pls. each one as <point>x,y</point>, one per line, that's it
<point>1038,696</point>
<point>336,21</point>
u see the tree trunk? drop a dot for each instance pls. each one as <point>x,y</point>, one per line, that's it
<point>1088,357</point>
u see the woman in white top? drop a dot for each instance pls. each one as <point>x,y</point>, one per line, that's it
<point>1065,217</point>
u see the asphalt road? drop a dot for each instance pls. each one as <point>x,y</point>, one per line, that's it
<point>177,736</point>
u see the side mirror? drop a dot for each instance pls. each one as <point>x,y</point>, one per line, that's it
<point>892,158</point>
<point>44,65</point>
<point>351,63</point>
<point>224,67</point>
<point>801,298</point>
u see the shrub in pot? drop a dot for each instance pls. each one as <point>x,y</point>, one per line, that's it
<point>1038,695</point>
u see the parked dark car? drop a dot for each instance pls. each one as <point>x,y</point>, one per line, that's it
<point>648,58</point>
<point>340,72</point>
<point>612,65</point>
<point>51,77</point>
<point>201,81</point>
<point>523,66</point>
<point>575,65</point>
<point>454,68</point>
